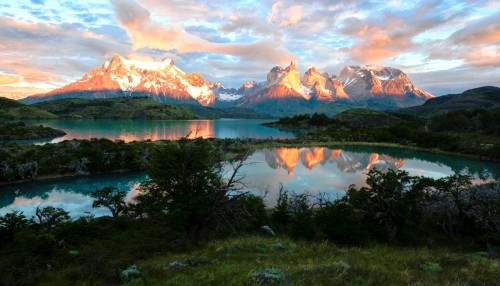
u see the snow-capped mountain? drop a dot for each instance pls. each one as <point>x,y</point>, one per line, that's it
<point>281,83</point>
<point>161,81</point>
<point>224,94</point>
<point>372,86</point>
<point>283,92</point>
<point>386,83</point>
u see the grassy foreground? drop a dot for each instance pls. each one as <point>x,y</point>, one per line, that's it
<point>236,260</point>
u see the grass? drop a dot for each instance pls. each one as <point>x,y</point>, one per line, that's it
<point>237,261</point>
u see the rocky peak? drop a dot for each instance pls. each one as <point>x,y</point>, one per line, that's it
<point>323,88</point>
<point>292,66</point>
<point>377,82</point>
<point>312,76</point>
<point>248,84</point>
<point>195,79</point>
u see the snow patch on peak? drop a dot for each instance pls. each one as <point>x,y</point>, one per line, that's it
<point>142,65</point>
<point>306,91</point>
<point>226,96</point>
<point>374,67</point>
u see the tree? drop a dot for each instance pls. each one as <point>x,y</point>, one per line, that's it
<point>187,187</point>
<point>392,200</point>
<point>110,198</point>
<point>13,221</point>
<point>51,216</point>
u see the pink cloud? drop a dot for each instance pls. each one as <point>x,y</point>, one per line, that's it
<point>148,33</point>
<point>285,17</point>
<point>374,44</point>
<point>9,78</point>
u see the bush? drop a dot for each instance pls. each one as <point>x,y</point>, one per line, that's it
<point>293,214</point>
<point>269,276</point>
<point>129,273</point>
<point>430,267</point>
<point>341,223</point>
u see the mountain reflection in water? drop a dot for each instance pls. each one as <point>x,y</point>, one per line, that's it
<point>137,130</point>
<point>348,162</point>
<point>316,170</point>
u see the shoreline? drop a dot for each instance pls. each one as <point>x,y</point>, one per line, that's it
<point>265,144</point>
<point>55,177</point>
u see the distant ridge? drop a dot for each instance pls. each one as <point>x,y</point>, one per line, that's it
<point>486,97</point>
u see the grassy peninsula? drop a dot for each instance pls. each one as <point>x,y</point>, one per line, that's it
<point>22,131</point>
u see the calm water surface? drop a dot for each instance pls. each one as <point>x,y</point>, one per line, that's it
<point>136,130</point>
<point>317,170</point>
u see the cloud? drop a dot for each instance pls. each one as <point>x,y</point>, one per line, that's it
<point>285,17</point>
<point>182,10</point>
<point>148,33</point>
<point>235,41</point>
<point>209,34</point>
<point>47,55</point>
<point>476,44</point>
<point>455,80</point>
<point>9,78</point>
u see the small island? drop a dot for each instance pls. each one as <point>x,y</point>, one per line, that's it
<point>22,131</point>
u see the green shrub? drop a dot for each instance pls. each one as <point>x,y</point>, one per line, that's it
<point>268,276</point>
<point>430,267</point>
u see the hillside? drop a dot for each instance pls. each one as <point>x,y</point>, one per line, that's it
<point>228,112</point>
<point>139,108</point>
<point>123,107</point>
<point>348,119</point>
<point>360,117</point>
<point>11,109</point>
<point>238,261</point>
<point>486,97</point>
<point>474,132</point>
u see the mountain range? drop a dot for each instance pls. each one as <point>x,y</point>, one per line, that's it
<point>283,92</point>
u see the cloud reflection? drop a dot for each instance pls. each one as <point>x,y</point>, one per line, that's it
<point>316,170</point>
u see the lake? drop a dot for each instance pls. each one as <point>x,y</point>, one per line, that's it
<point>317,170</point>
<point>137,129</point>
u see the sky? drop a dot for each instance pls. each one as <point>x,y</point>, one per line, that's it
<point>444,46</point>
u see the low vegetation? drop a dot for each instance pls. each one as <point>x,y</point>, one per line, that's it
<point>486,97</point>
<point>20,162</point>
<point>192,225</point>
<point>115,108</point>
<point>138,108</point>
<point>11,109</point>
<point>22,131</point>
<point>468,132</point>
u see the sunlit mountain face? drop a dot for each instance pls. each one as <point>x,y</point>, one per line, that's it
<point>443,46</point>
<point>284,90</point>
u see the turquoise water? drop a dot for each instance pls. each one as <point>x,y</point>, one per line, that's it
<point>317,170</point>
<point>136,130</point>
